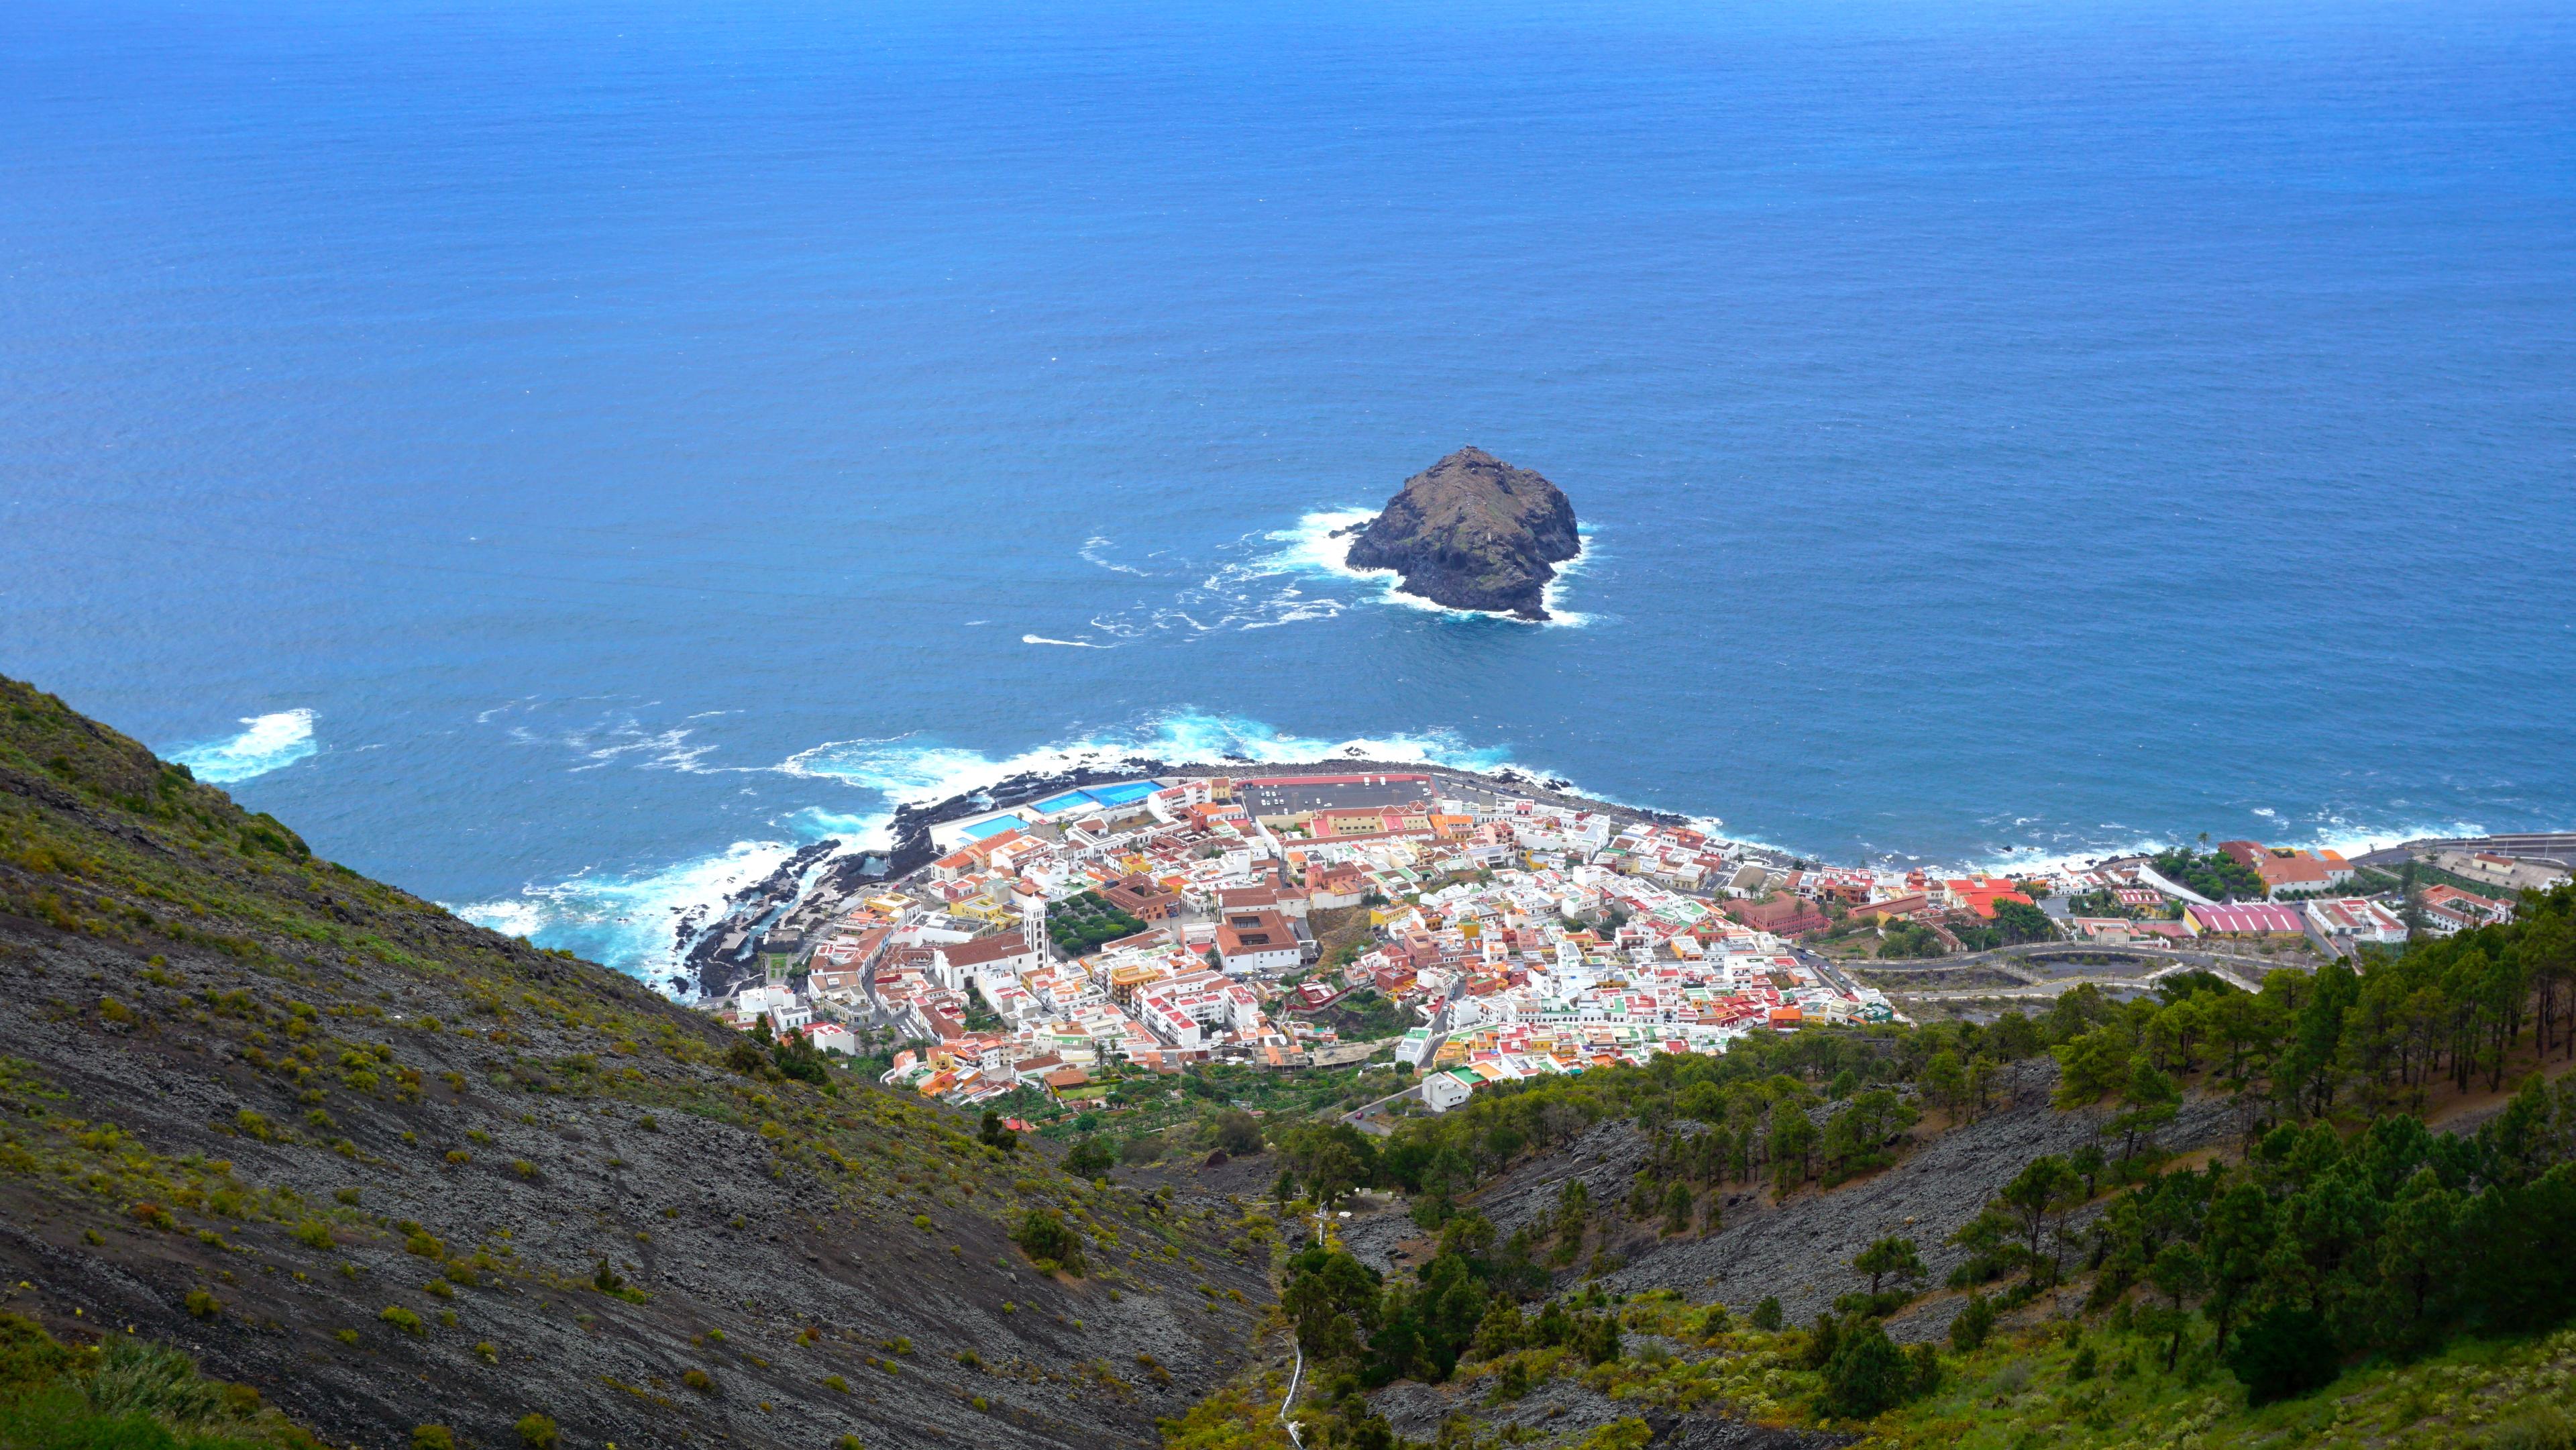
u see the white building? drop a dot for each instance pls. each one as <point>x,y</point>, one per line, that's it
<point>962,962</point>
<point>1442,1091</point>
<point>1418,1047</point>
<point>2357,918</point>
<point>779,1005</point>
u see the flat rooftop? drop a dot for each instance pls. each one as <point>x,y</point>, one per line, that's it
<point>1296,796</point>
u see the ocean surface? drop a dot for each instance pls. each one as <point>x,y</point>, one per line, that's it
<point>560,456</point>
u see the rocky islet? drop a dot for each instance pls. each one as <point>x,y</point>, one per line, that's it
<point>1473,532</point>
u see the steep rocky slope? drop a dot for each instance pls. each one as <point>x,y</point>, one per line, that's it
<point>392,1169</point>
<point>1800,1251</point>
<point>1473,532</point>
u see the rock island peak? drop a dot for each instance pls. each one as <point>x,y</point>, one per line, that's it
<point>1473,532</point>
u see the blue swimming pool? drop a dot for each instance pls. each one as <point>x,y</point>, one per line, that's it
<point>1099,795</point>
<point>994,827</point>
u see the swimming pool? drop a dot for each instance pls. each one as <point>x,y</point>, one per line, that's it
<point>1102,795</point>
<point>994,827</point>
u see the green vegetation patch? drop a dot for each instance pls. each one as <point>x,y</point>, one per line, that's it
<point>125,1394</point>
<point>1080,924</point>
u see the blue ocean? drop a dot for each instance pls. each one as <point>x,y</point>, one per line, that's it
<point>562,456</point>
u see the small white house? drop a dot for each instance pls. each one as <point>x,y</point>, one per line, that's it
<point>778,1004</point>
<point>1417,1047</point>
<point>1442,1091</point>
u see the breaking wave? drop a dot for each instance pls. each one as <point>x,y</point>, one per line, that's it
<point>643,921</point>
<point>910,770</point>
<point>271,742</point>
<point>2329,831</point>
<point>1275,577</point>
<point>1320,546</point>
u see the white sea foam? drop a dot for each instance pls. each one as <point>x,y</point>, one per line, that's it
<point>270,742</point>
<point>2338,834</point>
<point>912,771</point>
<point>642,921</point>
<point>1320,545</point>
<point>1067,643</point>
<point>621,738</point>
<point>2325,832</point>
<point>863,832</point>
<point>1090,553</point>
<point>1274,577</point>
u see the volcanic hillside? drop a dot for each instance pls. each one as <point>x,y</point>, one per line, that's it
<point>392,1169</point>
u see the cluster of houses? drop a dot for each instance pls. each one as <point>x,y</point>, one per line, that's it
<point>2301,899</point>
<point>1522,930</point>
<point>1523,936</point>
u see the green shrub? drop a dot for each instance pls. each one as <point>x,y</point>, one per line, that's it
<point>699,1380</point>
<point>137,1377</point>
<point>423,1244</point>
<point>1090,1158</point>
<point>1867,1375</point>
<point>1044,1236</point>
<point>28,1355</point>
<point>537,1432</point>
<point>313,1233</point>
<point>403,1319</point>
<point>432,1437</point>
<point>202,1304</point>
<point>2543,1427</point>
<point>2284,1352</point>
<point>1973,1324</point>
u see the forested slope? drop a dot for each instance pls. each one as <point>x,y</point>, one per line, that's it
<point>2347,1190</point>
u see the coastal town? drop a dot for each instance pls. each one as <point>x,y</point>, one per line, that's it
<point>1476,932</point>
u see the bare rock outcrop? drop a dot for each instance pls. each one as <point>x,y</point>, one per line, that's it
<point>1473,532</point>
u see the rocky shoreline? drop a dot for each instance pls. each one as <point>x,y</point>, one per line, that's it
<point>711,952</point>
